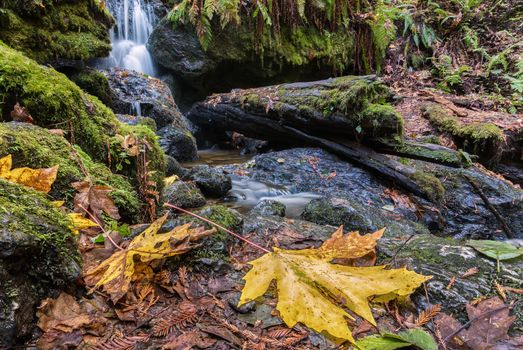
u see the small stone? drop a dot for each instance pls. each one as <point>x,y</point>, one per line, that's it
<point>245,308</point>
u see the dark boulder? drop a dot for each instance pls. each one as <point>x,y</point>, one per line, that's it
<point>177,143</point>
<point>184,195</point>
<point>213,182</point>
<point>138,94</point>
<point>172,167</point>
<point>37,257</point>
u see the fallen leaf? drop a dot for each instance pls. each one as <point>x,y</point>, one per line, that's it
<point>310,286</point>
<point>388,341</point>
<point>20,114</point>
<point>170,180</point>
<point>130,145</point>
<point>115,274</point>
<point>38,179</point>
<point>95,199</point>
<point>79,222</point>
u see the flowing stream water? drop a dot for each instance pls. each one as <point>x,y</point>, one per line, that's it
<point>135,20</point>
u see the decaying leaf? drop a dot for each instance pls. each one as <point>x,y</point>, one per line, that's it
<point>21,114</point>
<point>79,222</point>
<point>95,199</point>
<point>310,286</point>
<point>130,145</point>
<point>490,321</point>
<point>115,274</point>
<point>39,179</point>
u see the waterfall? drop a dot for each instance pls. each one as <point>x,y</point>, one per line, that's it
<point>134,24</point>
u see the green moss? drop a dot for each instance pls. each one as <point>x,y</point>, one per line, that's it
<point>34,147</point>
<point>430,185</point>
<point>56,102</point>
<point>476,138</point>
<point>73,29</point>
<point>151,124</point>
<point>27,214</point>
<point>377,116</point>
<point>94,83</point>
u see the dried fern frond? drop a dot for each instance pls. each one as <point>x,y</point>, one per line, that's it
<point>426,315</point>
<point>123,343</point>
<point>179,319</point>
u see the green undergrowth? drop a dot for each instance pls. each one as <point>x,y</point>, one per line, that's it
<point>94,83</point>
<point>55,102</point>
<point>45,30</point>
<point>477,138</point>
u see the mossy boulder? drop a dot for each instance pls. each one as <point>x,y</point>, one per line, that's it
<point>35,147</point>
<point>47,30</point>
<point>94,83</point>
<point>445,259</point>
<point>231,60</point>
<point>56,102</point>
<point>37,256</point>
<point>482,139</point>
<point>184,195</point>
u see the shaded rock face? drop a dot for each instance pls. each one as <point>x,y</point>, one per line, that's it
<point>358,199</point>
<point>230,61</point>
<point>136,93</point>
<point>269,207</point>
<point>213,182</point>
<point>36,257</point>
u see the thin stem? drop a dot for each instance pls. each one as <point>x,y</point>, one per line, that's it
<point>219,226</point>
<point>96,221</point>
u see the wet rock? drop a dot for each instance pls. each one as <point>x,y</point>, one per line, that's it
<point>461,213</point>
<point>172,167</point>
<point>138,94</point>
<point>269,207</point>
<point>354,216</point>
<point>177,143</point>
<point>37,257</point>
<point>245,308</point>
<point>213,182</point>
<point>184,195</point>
<point>445,258</point>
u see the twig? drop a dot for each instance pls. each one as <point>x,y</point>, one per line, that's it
<point>97,222</point>
<point>219,226</point>
<point>393,258</point>
<point>489,205</point>
<point>488,313</point>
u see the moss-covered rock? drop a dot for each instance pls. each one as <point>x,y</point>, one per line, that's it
<point>56,102</point>
<point>444,259</point>
<point>482,139</point>
<point>46,30</point>
<point>184,195</point>
<point>35,147</point>
<point>94,83</point>
<point>37,254</point>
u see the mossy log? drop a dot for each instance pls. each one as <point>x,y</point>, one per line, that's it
<point>353,108</point>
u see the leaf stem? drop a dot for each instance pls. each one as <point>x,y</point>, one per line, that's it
<point>219,226</point>
<point>97,222</point>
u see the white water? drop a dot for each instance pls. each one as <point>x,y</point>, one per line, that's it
<point>134,23</point>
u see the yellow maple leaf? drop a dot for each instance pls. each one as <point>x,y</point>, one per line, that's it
<point>312,290</point>
<point>39,179</point>
<point>79,222</point>
<point>115,274</point>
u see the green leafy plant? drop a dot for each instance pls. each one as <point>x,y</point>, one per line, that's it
<point>389,341</point>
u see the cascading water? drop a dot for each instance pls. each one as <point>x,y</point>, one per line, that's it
<point>134,23</point>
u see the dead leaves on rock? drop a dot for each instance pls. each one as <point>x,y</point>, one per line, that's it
<point>95,199</point>
<point>311,289</point>
<point>38,179</point>
<point>489,321</point>
<point>115,274</point>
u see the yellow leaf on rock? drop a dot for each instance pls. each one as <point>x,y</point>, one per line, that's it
<point>39,179</point>
<point>115,274</point>
<point>57,204</point>
<point>79,222</point>
<point>312,290</point>
<point>170,180</point>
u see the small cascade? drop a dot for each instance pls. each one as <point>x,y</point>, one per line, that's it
<point>136,109</point>
<point>134,23</point>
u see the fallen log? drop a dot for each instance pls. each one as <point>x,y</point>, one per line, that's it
<point>353,108</point>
